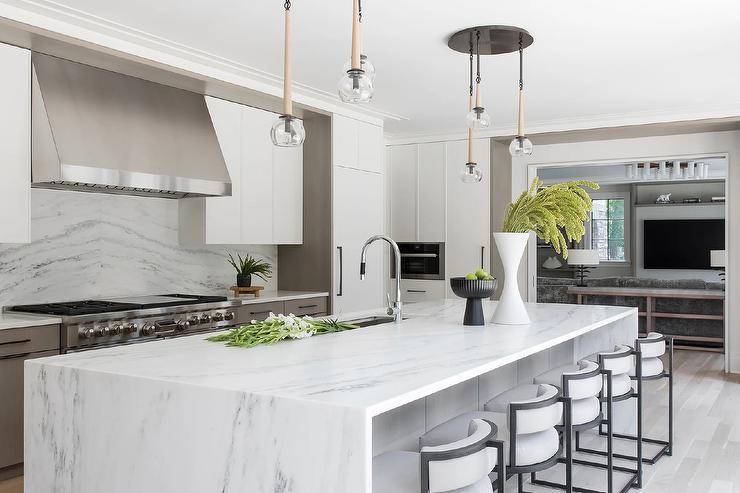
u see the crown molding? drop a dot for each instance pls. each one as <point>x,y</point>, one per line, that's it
<point>669,115</point>
<point>64,23</point>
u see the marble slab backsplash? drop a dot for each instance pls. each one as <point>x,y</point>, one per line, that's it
<point>87,245</point>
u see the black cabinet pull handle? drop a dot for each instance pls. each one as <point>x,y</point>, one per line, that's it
<point>482,256</point>
<point>341,274</point>
<point>259,313</point>
<point>21,341</point>
<point>416,291</point>
<point>14,356</point>
<point>308,306</point>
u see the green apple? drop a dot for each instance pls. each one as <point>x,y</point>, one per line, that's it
<point>481,274</point>
<point>471,277</point>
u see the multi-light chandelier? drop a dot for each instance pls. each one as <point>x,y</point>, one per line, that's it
<point>490,40</point>
<point>356,86</point>
<point>288,130</point>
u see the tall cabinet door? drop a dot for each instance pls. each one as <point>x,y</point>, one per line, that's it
<point>221,212</point>
<point>402,168</point>
<point>15,145</point>
<point>432,180</point>
<point>358,215</point>
<point>256,177</point>
<point>287,197</point>
<point>468,211</point>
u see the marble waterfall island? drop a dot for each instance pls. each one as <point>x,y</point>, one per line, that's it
<point>302,416</point>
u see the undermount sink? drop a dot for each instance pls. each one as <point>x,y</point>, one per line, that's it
<point>370,321</point>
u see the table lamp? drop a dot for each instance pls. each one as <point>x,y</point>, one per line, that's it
<point>583,260</point>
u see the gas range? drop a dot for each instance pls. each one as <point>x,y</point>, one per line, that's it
<point>90,324</point>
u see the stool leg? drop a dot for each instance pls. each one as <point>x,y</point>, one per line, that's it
<point>568,412</point>
<point>670,397</point>
<point>609,437</point>
<point>519,483</point>
<point>638,372</point>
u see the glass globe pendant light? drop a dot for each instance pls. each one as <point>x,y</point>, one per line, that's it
<point>520,145</point>
<point>470,172</point>
<point>356,86</point>
<point>288,130</point>
<point>477,117</point>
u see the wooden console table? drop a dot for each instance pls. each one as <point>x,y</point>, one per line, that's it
<point>650,294</point>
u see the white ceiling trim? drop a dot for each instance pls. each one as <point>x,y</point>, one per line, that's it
<point>51,18</point>
<point>671,115</point>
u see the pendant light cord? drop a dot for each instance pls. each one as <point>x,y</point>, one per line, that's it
<point>477,54</point>
<point>521,63</point>
<point>286,5</point>
<point>471,66</point>
<point>359,10</point>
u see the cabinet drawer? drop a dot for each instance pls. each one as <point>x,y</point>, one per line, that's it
<point>417,290</point>
<point>29,340</point>
<point>11,411</point>
<point>260,311</point>
<point>307,306</point>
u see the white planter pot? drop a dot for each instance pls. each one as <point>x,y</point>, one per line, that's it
<point>510,309</point>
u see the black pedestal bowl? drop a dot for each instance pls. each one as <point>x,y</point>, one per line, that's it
<point>473,290</point>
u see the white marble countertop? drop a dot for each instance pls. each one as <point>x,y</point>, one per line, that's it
<point>18,320</point>
<point>270,296</point>
<point>373,369</point>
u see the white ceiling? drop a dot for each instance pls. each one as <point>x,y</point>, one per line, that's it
<point>592,64</point>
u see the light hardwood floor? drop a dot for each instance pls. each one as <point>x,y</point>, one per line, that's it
<point>707,433</point>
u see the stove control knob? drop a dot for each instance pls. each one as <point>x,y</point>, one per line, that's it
<point>194,320</point>
<point>182,325</point>
<point>218,316</point>
<point>148,329</point>
<point>116,329</point>
<point>104,331</point>
<point>205,318</point>
<point>87,333</point>
<point>130,328</point>
<point>229,316</point>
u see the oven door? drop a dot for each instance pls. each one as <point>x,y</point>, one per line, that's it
<point>421,261</point>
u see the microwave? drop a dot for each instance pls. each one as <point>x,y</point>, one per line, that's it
<point>421,261</point>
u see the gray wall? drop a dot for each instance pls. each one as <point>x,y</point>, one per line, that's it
<point>87,245</point>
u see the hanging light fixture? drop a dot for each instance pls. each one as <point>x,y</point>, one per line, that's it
<point>477,116</point>
<point>489,40</point>
<point>356,86</point>
<point>288,130</point>
<point>520,145</point>
<point>470,172</point>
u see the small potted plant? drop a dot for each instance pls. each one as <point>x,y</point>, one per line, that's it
<point>247,267</point>
<point>552,213</point>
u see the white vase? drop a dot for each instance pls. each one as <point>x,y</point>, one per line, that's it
<point>510,309</point>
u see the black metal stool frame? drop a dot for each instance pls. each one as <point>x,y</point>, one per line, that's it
<point>598,421</point>
<point>485,442</point>
<point>636,479</point>
<point>666,445</point>
<point>513,469</point>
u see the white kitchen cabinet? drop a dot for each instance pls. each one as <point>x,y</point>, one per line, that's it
<point>357,144</point>
<point>417,290</point>
<point>358,215</point>
<point>468,211</point>
<point>403,187</point>
<point>266,202</point>
<point>432,183</point>
<point>417,192</point>
<point>15,145</point>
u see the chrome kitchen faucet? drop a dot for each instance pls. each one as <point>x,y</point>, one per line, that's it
<point>395,307</point>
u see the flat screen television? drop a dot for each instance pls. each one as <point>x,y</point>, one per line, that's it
<point>681,243</point>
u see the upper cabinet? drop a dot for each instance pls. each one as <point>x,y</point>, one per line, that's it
<point>417,192</point>
<point>15,145</point>
<point>356,144</point>
<point>266,202</point>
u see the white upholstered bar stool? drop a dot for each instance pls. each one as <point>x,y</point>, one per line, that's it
<point>461,466</point>
<point>651,349</point>
<point>584,383</point>
<point>527,418</point>
<point>618,364</point>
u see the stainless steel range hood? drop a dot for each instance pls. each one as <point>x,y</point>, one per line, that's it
<point>99,131</point>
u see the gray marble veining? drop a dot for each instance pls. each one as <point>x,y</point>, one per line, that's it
<point>87,245</point>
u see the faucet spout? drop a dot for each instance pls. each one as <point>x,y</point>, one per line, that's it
<point>395,307</point>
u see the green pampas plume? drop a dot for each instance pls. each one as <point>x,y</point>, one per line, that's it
<point>552,211</point>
